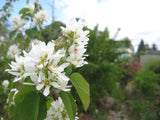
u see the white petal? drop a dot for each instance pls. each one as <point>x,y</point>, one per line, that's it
<point>46,91</point>
<point>34,78</point>
<point>40,86</point>
<point>17,79</point>
<point>54,84</point>
<point>62,67</point>
<point>25,83</point>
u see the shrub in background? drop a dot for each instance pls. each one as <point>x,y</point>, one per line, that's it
<point>104,70</point>
<point>146,82</point>
<point>153,65</point>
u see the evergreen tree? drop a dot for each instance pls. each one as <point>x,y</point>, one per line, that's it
<point>154,47</point>
<point>141,47</point>
<point>147,47</point>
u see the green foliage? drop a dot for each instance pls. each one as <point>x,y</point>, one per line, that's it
<point>136,107</point>
<point>103,70</point>
<point>24,12</point>
<point>141,109</point>
<point>27,109</point>
<point>30,105</point>
<point>153,65</point>
<point>51,32</point>
<point>42,107</point>
<point>100,116</point>
<point>146,82</point>
<point>19,37</point>
<point>31,32</point>
<point>118,94</point>
<point>12,34</point>
<point>148,116</point>
<point>69,104</point>
<point>82,88</point>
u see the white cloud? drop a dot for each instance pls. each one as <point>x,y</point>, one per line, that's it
<point>132,16</point>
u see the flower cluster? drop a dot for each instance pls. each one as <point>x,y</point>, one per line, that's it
<point>9,8</point>
<point>32,16</point>
<point>78,42</point>
<point>133,67</point>
<point>5,84</point>
<point>40,17</point>
<point>45,65</point>
<point>17,23</point>
<point>3,13</point>
<point>12,51</point>
<point>31,8</point>
<point>57,111</point>
<point>36,1</point>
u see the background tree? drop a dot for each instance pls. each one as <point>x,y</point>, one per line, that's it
<point>51,32</point>
<point>154,47</point>
<point>103,70</point>
<point>141,46</point>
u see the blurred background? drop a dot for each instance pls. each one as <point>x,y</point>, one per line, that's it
<point>123,67</point>
<point>137,19</point>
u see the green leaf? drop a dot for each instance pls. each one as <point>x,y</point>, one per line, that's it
<point>8,3</point>
<point>26,16</point>
<point>42,107</point>
<point>23,91</point>
<point>11,111</point>
<point>24,10</point>
<point>27,41</point>
<point>34,30</point>
<point>31,32</point>
<point>69,104</point>
<point>12,34</point>
<point>50,100</point>
<point>68,70</point>
<point>28,32</point>
<point>19,37</point>
<point>82,88</point>
<point>27,109</point>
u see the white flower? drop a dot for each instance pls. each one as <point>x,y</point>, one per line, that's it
<point>9,8</point>
<point>76,55</point>
<point>1,57</point>
<point>11,96</point>
<point>5,84</point>
<point>13,50</point>
<point>40,17</point>
<point>78,40</point>
<point>17,68</point>
<point>31,8</point>
<point>35,42</point>
<point>17,23</point>
<point>1,40</point>
<point>57,81</point>
<point>43,67</point>
<point>75,28</point>
<point>57,111</point>
<point>3,13</point>
<point>36,1</point>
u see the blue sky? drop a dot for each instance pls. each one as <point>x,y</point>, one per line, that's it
<point>138,19</point>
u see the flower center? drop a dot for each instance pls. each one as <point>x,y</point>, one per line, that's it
<point>47,82</point>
